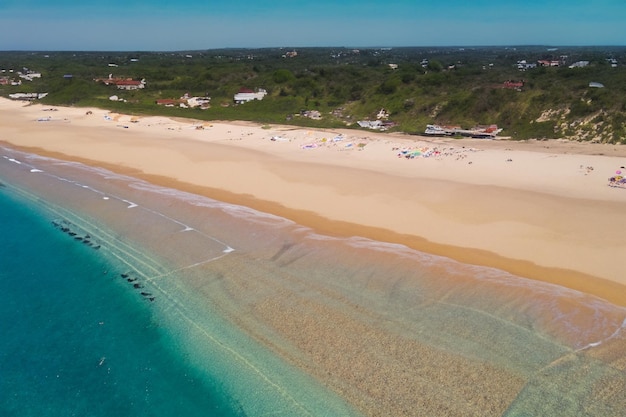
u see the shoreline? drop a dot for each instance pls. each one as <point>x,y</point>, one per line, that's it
<point>288,173</point>
<point>372,322</point>
<point>609,290</point>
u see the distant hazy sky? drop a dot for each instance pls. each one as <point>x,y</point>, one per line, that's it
<point>172,25</point>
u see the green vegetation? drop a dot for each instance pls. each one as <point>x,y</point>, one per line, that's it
<point>448,86</point>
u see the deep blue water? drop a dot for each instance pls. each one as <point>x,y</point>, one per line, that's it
<point>75,342</point>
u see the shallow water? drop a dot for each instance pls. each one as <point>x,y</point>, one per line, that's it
<point>253,314</point>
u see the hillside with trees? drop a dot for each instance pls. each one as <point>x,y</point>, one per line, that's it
<point>576,93</point>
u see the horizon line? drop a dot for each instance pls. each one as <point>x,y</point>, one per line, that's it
<point>459,46</point>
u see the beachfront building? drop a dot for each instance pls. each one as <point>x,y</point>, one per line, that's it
<point>123,83</point>
<point>193,102</point>
<point>245,95</point>
<point>185,102</point>
<point>376,124</point>
<point>130,84</point>
<point>370,124</point>
<point>480,132</point>
<point>27,96</point>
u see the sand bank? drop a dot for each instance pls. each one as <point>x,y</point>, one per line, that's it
<point>542,210</point>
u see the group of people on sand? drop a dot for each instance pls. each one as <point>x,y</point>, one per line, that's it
<point>427,152</point>
<point>618,179</point>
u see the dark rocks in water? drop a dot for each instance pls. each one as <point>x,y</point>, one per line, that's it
<point>148,296</point>
<point>134,280</point>
<point>67,227</point>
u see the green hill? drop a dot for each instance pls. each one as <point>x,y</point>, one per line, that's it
<point>583,98</point>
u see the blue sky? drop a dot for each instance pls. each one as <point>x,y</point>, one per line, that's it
<point>173,25</point>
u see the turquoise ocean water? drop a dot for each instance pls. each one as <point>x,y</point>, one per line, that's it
<point>121,298</point>
<point>75,342</point>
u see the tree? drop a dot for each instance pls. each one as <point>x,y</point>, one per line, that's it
<point>282,76</point>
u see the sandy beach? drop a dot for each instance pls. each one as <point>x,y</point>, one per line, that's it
<point>538,209</point>
<point>357,298</point>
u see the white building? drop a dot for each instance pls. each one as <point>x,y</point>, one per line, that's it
<point>579,64</point>
<point>27,96</point>
<point>371,124</point>
<point>198,102</point>
<point>29,76</point>
<point>523,65</point>
<point>244,95</point>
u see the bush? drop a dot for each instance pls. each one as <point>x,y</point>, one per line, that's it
<point>389,87</point>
